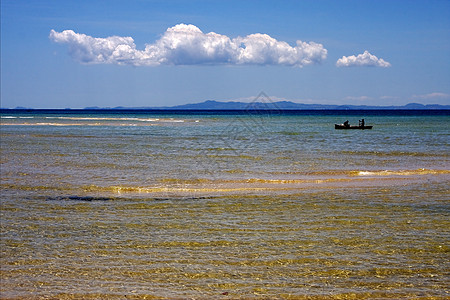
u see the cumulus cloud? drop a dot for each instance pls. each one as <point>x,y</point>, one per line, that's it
<point>362,60</point>
<point>188,45</point>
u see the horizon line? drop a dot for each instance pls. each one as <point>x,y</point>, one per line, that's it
<point>256,105</point>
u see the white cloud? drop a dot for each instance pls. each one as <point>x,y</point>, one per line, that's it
<point>433,96</point>
<point>362,60</point>
<point>188,45</point>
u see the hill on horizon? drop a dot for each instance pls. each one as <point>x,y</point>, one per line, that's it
<point>279,105</point>
<point>267,105</point>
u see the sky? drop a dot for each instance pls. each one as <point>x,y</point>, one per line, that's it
<point>148,53</point>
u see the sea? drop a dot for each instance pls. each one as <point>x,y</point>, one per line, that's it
<point>251,204</point>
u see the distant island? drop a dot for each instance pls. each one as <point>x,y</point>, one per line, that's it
<point>211,105</point>
<point>279,105</point>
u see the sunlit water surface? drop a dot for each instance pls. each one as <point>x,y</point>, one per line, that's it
<point>110,205</point>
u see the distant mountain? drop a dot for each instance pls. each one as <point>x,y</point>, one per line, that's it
<point>279,105</point>
<point>288,105</point>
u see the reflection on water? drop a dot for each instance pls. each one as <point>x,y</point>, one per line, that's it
<point>197,208</point>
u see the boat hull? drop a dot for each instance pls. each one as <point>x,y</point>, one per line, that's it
<point>342,126</point>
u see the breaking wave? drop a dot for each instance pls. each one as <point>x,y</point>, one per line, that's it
<point>403,172</point>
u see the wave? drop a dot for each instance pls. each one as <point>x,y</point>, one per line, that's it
<point>392,153</point>
<point>62,124</point>
<point>103,119</point>
<point>51,124</point>
<point>356,173</point>
<point>169,120</point>
<point>95,121</point>
<point>403,172</point>
<point>256,186</point>
<point>13,117</point>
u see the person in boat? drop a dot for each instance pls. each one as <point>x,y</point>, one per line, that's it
<point>362,123</point>
<point>346,124</point>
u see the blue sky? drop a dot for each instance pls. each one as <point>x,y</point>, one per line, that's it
<point>59,54</point>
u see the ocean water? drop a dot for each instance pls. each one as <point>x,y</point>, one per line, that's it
<point>262,204</point>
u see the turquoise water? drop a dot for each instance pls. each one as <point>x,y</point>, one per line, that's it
<point>264,205</point>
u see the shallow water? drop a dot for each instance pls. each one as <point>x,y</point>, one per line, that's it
<point>224,206</point>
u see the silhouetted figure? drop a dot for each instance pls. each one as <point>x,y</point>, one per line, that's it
<point>346,124</point>
<point>361,123</point>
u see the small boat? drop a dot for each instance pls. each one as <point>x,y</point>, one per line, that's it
<point>342,126</point>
